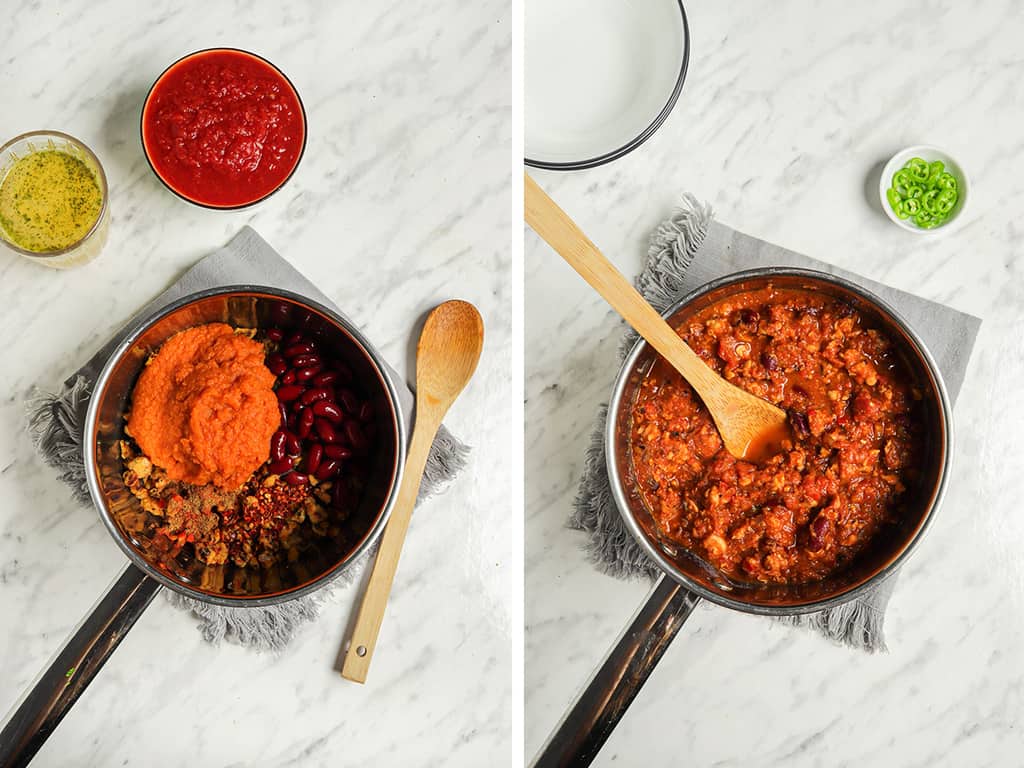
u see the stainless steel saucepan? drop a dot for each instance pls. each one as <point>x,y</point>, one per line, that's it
<point>687,578</point>
<point>150,568</point>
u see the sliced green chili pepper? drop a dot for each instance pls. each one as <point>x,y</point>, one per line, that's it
<point>893,197</point>
<point>911,207</point>
<point>924,192</point>
<point>918,169</point>
<point>901,181</point>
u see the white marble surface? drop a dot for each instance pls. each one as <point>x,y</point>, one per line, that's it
<point>407,196</point>
<point>789,109</point>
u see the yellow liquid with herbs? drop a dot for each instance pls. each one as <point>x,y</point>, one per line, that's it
<point>48,201</point>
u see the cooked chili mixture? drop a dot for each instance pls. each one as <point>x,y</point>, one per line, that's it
<point>244,447</point>
<point>840,479</point>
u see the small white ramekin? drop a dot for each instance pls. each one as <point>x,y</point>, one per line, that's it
<point>930,154</point>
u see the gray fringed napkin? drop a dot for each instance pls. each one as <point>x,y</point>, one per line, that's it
<point>685,252</point>
<point>56,422</point>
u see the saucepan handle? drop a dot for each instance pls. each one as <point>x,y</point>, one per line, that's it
<point>75,665</point>
<point>591,720</point>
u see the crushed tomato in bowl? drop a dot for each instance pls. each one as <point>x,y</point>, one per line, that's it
<point>807,512</point>
<point>223,128</point>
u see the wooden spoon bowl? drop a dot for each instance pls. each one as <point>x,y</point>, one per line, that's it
<point>751,428</point>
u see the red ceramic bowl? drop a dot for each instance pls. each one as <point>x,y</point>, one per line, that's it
<point>223,128</point>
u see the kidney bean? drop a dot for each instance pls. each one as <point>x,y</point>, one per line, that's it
<point>296,478</point>
<point>292,444</point>
<point>818,530</point>
<point>344,372</point>
<point>326,431</point>
<point>328,410</point>
<point>293,420</point>
<point>304,423</point>
<point>801,425</point>
<point>297,337</point>
<point>355,436</point>
<point>295,350</point>
<point>313,458</point>
<point>747,316</point>
<point>366,412</point>
<point>290,392</point>
<point>277,445</point>
<point>288,378</point>
<point>305,374</point>
<point>769,361</point>
<point>284,413</point>
<point>339,495</point>
<point>275,334</point>
<point>304,360</point>
<point>349,401</point>
<point>280,467</point>
<point>311,396</point>
<point>327,469</point>
<point>276,364</point>
<point>280,311</point>
<point>337,451</point>
<point>325,379</point>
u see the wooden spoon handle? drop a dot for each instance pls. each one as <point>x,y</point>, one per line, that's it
<point>375,600</point>
<point>561,233</point>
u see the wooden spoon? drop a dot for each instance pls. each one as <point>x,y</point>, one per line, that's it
<point>751,428</point>
<point>446,358</point>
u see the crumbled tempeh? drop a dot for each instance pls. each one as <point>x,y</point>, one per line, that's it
<point>141,466</point>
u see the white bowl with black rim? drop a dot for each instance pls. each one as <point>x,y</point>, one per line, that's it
<point>601,77</point>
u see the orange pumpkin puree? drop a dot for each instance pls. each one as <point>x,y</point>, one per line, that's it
<point>204,408</point>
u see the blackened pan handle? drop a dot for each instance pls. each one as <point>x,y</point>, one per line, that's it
<point>74,667</point>
<point>586,727</point>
